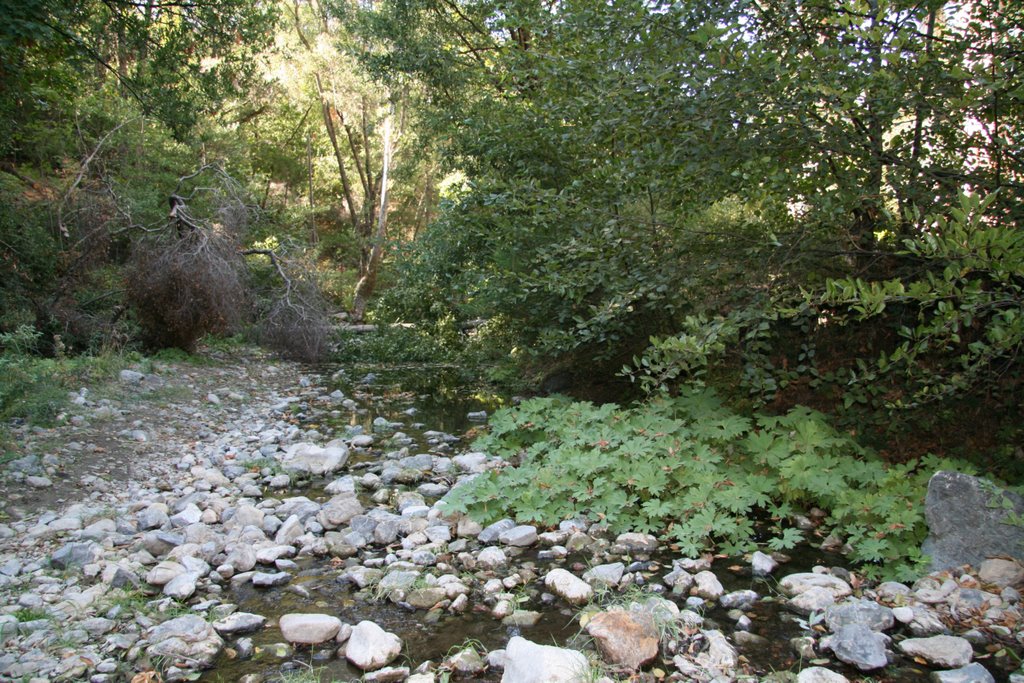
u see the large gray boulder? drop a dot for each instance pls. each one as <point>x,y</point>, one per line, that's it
<point>968,523</point>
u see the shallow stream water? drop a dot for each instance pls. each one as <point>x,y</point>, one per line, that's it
<point>437,398</point>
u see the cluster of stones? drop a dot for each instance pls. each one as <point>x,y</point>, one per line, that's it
<point>211,525</point>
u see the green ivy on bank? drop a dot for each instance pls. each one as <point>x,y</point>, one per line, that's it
<point>701,474</point>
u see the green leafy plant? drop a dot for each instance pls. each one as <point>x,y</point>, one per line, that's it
<point>965,301</point>
<point>692,469</point>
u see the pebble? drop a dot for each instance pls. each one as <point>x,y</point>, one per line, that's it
<point>762,564</point>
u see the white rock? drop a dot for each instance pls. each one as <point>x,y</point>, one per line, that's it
<point>491,558</point>
<point>607,575</point>
<point>817,674</point>
<point>814,599</point>
<point>164,573</point>
<point>528,662</point>
<point>951,652</point>
<point>568,587</point>
<point>371,647</point>
<point>904,615</point>
<point>309,629</point>
<point>308,457</point>
<point>706,585</point>
<point>763,564</point>
<point>720,658</point>
<point>185,641</point>
<point>181,587</point>
<point>519,536</point>
<point>246,515</point>
<point>241,557</point>
<point>239,622</point>
<point>289,531</point>
<point>795,584</point>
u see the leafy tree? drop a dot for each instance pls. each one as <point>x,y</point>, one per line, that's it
<point>636,169</point>
<point>179,59</point>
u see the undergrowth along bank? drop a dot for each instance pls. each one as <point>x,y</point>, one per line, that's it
<point>693,469</point>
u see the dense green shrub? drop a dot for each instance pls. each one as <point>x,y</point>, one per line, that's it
<point>403,343</point>
<point>702,474</point>
<point>36,389</point>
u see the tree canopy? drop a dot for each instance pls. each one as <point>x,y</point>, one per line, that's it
<point>799,200</point>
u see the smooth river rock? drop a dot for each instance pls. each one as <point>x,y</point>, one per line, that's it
<point>239,622</point>
<point>567,586</point>
<point>308,457</point>
<point>528,662</point>
<point>865,612</point>
<point>371,647</point>
<point>972,673</point>
<point>950,652</point>
<point>309,629</point>
<point>817,674</point>
<point>795,584</point>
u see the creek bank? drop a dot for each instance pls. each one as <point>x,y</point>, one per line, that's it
<point>180,569</point>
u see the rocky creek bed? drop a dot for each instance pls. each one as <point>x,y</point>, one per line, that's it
<point>251,521</point>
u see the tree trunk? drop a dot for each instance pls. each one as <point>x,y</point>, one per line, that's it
<point>325,108</point>
<point>313,236</point>
<point>366,284</point>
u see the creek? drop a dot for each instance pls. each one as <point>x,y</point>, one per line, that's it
<point>417,403</point>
